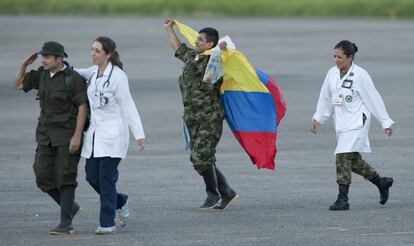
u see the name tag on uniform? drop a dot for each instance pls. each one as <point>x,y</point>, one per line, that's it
<point>337,98</point>
<point>347,84</point>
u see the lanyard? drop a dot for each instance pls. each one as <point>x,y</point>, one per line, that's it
<point>105,84</point>
<point>103,100</point>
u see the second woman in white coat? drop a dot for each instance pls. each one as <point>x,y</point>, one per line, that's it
<point>112,111</point>
<point>349,96</point>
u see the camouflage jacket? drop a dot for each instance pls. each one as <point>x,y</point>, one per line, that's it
<point>201,100</point>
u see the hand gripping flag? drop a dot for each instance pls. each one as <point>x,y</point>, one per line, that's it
<point>252,102</point>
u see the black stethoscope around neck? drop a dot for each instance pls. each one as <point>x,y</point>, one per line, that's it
<point>106,83</point>
<point>103,100</point>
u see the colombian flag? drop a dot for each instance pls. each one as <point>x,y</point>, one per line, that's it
<point>252,102</point>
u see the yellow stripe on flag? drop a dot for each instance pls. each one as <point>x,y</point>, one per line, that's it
<point>243,76</point>
<point>187,32</point>
<point>239,75</point>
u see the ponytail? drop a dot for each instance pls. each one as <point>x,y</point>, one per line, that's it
<point>115,60</point>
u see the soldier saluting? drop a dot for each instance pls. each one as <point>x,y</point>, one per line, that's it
<point>62,97</point>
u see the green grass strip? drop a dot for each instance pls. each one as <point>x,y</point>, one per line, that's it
<point>264,8</point>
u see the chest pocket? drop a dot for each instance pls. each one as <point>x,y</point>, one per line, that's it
<point>191,72</point>
<point>55,98</point>
<point>59,102</point>
<point>60,96</point>
<point>350,95</point>
<point>109,94</point>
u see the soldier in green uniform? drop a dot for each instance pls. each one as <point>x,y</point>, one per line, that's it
<point>203,113</point>
<point>62,96</point>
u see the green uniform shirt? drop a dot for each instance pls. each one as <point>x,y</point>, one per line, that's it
<point>201,100</point>
<point>59,102</point>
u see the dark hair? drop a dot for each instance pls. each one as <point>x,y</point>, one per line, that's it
<point>212,35</point>
<point>109,47</point>
<point>347,47</point>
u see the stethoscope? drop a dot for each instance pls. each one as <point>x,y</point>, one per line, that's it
<point>102,99</point>
<point>106,83</point>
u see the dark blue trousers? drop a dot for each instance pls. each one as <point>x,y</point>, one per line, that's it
<point>102,174</point>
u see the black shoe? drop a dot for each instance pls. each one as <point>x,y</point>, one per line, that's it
<point>384,184</point>
<point>62,230</point>
<point>225,201</point>
<point>227,194</point>
<point>339,205</point>
<point>210,201</point>
<point>213,196</point>
<point>342,202</point>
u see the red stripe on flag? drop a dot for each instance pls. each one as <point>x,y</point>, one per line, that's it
<point>280,103</point>
<point>260,146</point>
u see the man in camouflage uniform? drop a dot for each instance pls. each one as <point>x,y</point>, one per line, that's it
<point>203,114</point>
<point>62,96</point>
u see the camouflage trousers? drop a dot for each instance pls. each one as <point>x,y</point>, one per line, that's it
<point>346,163</point>
<point>204,137</point>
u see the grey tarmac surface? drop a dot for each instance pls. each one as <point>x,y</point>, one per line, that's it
<point>285,207</point>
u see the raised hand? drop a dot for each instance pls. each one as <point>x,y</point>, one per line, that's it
<point>30,59</point>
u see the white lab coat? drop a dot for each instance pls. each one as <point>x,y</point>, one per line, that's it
<point>109,123</point>
<point>361,98</point>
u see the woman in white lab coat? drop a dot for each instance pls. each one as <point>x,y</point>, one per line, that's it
<point>350,97</point>
<point>106,140</point>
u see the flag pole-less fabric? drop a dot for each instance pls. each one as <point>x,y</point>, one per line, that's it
<point>252,102</point>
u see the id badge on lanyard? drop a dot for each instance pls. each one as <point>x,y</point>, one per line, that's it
<point>337,97</point>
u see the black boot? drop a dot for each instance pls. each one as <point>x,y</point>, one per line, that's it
<point>55,195</point>
<point>342,202</point>
<point>227,193</point>
<point>67,197</point>
<point>210,179</point>
<point>383,185</point>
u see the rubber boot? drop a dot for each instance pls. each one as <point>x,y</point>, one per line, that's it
<point>342,202</point>
<point>67,197</point>
<point>210,179</point>
<point>228,195</point>
<point>55,195</point>
<point>383,184</point>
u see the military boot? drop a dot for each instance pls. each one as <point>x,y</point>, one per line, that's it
<point>228,195</point>
<point>210,179</point>
<point>67,197</point>
<point>342,202</point>
<point>55,195</point>
<point>383,184</point>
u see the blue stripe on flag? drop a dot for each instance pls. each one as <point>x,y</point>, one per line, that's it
<point>249,111</point>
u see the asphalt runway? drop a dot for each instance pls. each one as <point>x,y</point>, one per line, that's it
<point>285,207</point>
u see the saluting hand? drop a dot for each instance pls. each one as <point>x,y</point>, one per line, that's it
<point>314,127</point>
<point>74,144</point>
<point>30,59</point>
<point>141,144</point>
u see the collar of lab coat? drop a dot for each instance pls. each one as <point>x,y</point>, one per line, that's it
<point>351,69</point>
<point>107,70</point>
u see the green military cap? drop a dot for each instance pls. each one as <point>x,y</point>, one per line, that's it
<point>53,48</point>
